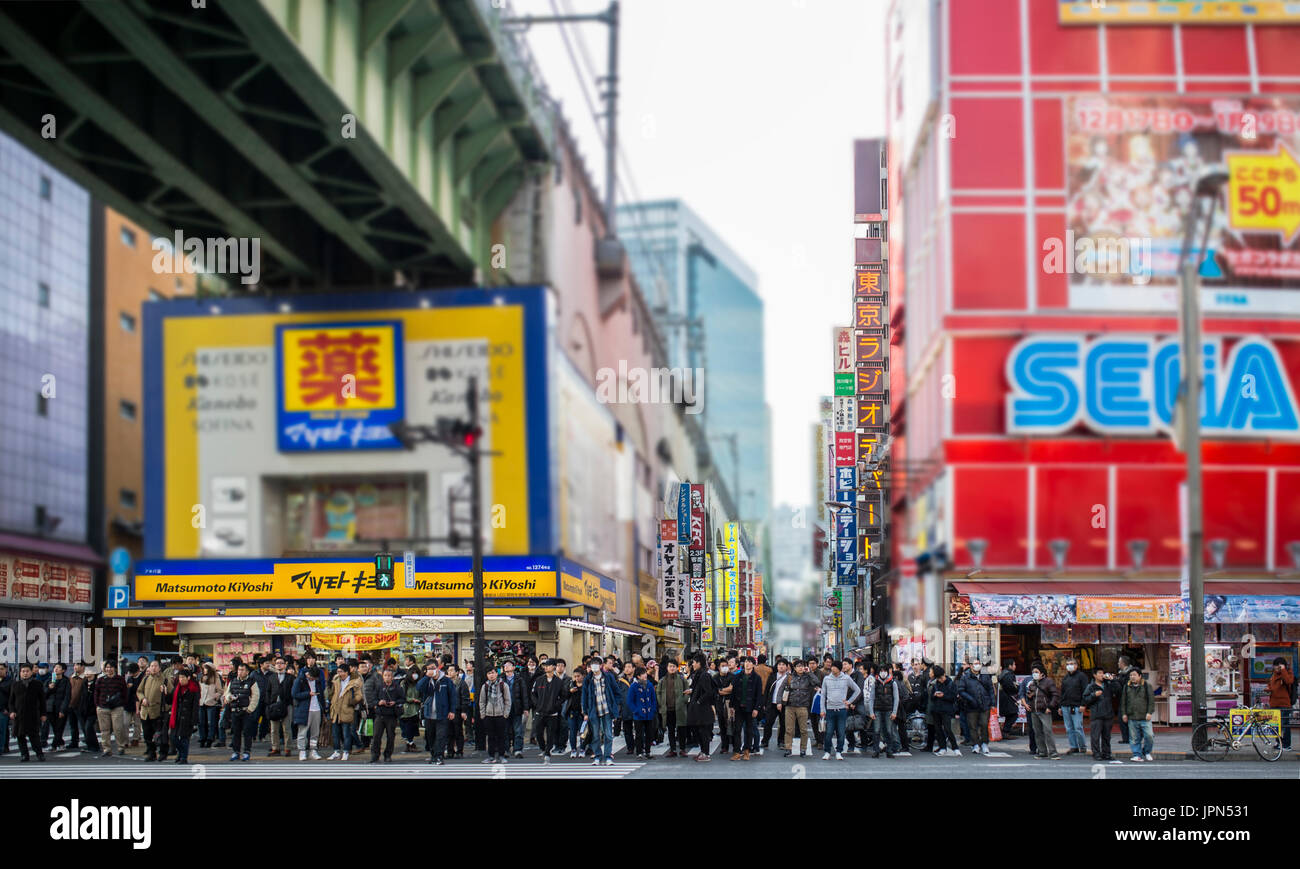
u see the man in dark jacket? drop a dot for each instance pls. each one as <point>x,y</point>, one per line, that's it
<point>521,700</point>
<point>1099,700</point>
<point>278,687</point>
<point>1072,687</point>
<point>456,735</point>
<point>773,689</point>
<point>1121,677</point>
<point>439,703</point>
<point>86,710</point>
<point>1008,691</point>
<point>943,705</point>
<point>1138,708</point>
<point>110,708</point>
<point>1043,698</point>
<point>390,697</point>
<point>882,707</point>
<point>56,704</point>
<point>548,698</point>
<point>26,711</point>
<point>6,683</point>
<point>746,704</point>
<point>976,691</point>
<point>700,694</point>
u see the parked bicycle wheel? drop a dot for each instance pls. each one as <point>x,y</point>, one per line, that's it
<point>1210,742</point>
<point>1268,741</point>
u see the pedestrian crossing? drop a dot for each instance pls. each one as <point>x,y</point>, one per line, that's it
<point>518,769</point>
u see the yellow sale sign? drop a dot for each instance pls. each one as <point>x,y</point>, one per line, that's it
<point>1264,192</point>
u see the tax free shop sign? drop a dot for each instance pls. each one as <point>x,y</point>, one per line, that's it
<point>1128,385</point>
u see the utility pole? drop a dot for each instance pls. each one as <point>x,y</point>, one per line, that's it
<point>1190,315</point>
<point>476,536</point>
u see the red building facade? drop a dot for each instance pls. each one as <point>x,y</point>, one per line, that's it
<point>1031,447</point>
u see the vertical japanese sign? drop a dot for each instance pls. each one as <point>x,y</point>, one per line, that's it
<point>758,604</point>
<point>670,579</point>
<point>706,635</point>
<point>696,553</point>
<point>844,358</point>
<point>731,540</point>
<point>684,514</point>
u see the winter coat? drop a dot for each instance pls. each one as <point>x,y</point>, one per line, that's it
<point>882,697</point>
<point>1072,688</point>
<point>642,702</point>
<point>394,692</point>
<point>1279,689</point>
<point>235,691</point>
<point>438,698</point>
<point>947,703</point>
<point>56,697</point>
<point>344,703</point>
<point>1138,701</point>
<point>280,689</point>
<point>699,708</point>
<point>27,701</point>
<point>210,692</point>
<point>465,693</point>
<point>184,710</point>
<point>106,687</point>
<point>5,684</point>
<point>624,684</point>
<point>976,691</point>
<point>1100,699</point>
<point>411,709</point>
<point>606,682</point>
<point>302,696</point>
<point>149,695</point>
<point>1043,695</point>
<point>494,699</point>
<point>548,695</point>
<point>678,707</point>
<point>521,693</point>
<point>799,690</point>
<point>747,691</point>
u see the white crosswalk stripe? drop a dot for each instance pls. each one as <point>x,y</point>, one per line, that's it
<point>228,770</point>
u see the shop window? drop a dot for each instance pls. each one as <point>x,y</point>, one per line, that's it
<point>338,514</point>
<point>971,644</point>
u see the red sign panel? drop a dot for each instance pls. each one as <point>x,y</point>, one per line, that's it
<point>872,347</point>
<point>871,381</point>
<point>868,283</point>
<point>873,413</point>
<point>845,441</point>
<point>866,250</point>
<point>868,315</point>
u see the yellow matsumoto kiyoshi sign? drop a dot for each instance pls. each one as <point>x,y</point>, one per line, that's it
<point>335,581</point>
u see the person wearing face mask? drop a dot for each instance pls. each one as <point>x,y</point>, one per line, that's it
<point>494,710</point>
<point>600,705</point>
<point>976,691</point>
<point>1072,687</point>
<point>1043,697</point>
<point>882,706</point>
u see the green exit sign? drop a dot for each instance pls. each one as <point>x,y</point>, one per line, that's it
<point>844,383</point>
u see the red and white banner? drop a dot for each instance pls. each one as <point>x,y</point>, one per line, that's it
<point>31,581</point>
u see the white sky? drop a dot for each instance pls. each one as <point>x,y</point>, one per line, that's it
<point>747,109</point>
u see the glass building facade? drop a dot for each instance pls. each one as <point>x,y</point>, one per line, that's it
<point>706,302</point>
<point>45,353</point>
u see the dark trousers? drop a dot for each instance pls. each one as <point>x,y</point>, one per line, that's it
<point>385,726</point>
<point>494,728</point>
<point>629,735</point>
<point>546,730</point>
<point>642,740</point>
<point>673,736</point>
<point>814,721</point>
<point>208,716</point>
<point>182,745</point>
<point>724,731</point>
<point>30,739</point>
<point>243,726</point>
<point>410,728</point>
<point>1099,730</point>
<point>153,742</point>
<point>772,716</point>
<point>435,735</point>
<point>704,733</point>
<point>456,737</point>
<point>943,730</point>
<point>744,731</point>
<point>74,722</point>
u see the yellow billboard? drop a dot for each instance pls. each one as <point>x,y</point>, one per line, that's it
<point>1179,12</point>
<point>731,539</point>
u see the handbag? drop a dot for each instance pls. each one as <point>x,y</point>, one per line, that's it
<point>995,725</point>
<point>276,711</point>
<point>367,727</point>
<point>855,722</point>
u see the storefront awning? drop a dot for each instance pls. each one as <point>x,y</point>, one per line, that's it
<point>1124,587</point>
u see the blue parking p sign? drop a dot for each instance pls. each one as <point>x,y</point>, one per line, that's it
<point>118,597</point>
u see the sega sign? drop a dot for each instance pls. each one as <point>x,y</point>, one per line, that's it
<point>1128,384</point>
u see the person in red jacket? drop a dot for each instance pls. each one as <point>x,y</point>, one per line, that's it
<point>1281,691</point>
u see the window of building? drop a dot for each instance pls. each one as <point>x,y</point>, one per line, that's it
<point>40,517</point>
<point>126,321</point>
<point>43,294</point>
<point>128,237</point>
<point>126,498</point>
<point>126,409</point>
<point>46,188</point>
<point>42,405</point>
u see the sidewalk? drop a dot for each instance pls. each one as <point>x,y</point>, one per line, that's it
<point>1171,743</point>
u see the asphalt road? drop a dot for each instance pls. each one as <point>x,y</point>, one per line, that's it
<point>1013,764</point>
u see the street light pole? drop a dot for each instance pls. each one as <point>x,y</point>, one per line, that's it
<point>1190,314</point>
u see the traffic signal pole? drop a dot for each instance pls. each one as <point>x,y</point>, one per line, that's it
<point>476,536</point>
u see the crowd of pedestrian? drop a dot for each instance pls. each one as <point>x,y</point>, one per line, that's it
<point>349,705</point>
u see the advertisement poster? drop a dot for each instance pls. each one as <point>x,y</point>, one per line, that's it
<point>1260,608</point>
<point>1133,164</point>
<point>1178,12</point>
<point>1022,609</point>
<point>1130,609</point>
<point>670,570</point>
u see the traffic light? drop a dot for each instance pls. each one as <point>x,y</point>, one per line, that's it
<point>384,571</point>
<point>458,432</point>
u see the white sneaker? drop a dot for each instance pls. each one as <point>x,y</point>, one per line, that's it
<point>826,756</point>
<point>839,756</point>
<point>1150,758</point>
<point>609,761</point>
<point>760,752</point>
<point>314,755</point>
<point>596,762</point>
<point>335,756</point>
<point>986,751</point>
<point>302,755</point>
<point>956,752</point>
<point>1136,758</point>
<point>903,754</point>
<point>345,755</point>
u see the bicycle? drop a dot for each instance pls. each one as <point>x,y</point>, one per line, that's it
<point>1213,740</point>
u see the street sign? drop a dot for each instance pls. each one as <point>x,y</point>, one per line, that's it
<point>408,559</point>
<point>119,623</point>
<point>1264,192</point>
<point>118,597</point>
<point>120,561</point>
